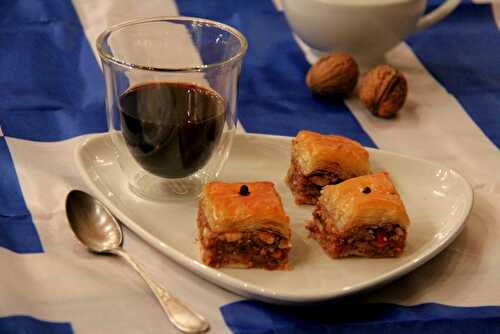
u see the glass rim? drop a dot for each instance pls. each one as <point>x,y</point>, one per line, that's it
<point>106,56</point>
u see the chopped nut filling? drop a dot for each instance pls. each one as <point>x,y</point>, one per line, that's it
<point>259,249</point>
<point>384,240</point>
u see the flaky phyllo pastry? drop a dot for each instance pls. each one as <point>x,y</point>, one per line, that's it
<point>243,225</point>
<point>363,216</point>
<point>319,160</point>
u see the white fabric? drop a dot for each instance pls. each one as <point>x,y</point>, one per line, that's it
<point>496,12</point>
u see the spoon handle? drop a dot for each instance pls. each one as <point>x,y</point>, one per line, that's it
<point>179,314</point>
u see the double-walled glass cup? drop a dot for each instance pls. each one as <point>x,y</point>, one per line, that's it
<point>171,90</point>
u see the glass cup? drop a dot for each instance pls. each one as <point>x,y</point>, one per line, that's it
<point>171,90</point>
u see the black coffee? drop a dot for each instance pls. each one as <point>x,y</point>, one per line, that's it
<point>171,129</point>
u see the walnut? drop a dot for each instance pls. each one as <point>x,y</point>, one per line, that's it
<point>335,74</point>
<point>383,91</point>
<point>232,236</point>
<point>266,237</point>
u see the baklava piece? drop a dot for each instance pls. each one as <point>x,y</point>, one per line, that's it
<point>319,160</point>
<point>363,216</point>
<point>243,225</point>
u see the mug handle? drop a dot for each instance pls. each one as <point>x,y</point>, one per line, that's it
<point>437,14</point>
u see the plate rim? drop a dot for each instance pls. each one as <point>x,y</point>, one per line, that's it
<point>249,289</point>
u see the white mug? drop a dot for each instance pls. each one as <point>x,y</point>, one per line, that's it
<point>365,28</point>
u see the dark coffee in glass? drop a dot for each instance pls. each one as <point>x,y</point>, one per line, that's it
<point>171,96</point>
<point>171,129</point>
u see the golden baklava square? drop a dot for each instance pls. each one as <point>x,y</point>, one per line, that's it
<point>243,225</point>
<point>363,216</point>
<point>319,160</point>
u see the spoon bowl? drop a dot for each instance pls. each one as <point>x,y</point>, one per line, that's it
<point>93,224</point>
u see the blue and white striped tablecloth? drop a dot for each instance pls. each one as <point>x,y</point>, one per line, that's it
<point>51,93</point>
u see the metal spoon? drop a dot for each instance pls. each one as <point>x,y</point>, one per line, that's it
<point>97,229</point>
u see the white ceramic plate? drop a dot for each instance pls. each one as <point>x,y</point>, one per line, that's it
<point>437,198</point>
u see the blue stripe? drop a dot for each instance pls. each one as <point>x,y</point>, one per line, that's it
<point>463,54</point>
<point>251,317</point>
<point>52,87</point>
<point>29,325</point>
<point>17,231</point>
<point>273,96</point>
<point>18,234</point>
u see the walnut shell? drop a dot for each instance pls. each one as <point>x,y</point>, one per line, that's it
<point>383,91</point>
<point>333,74</point>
